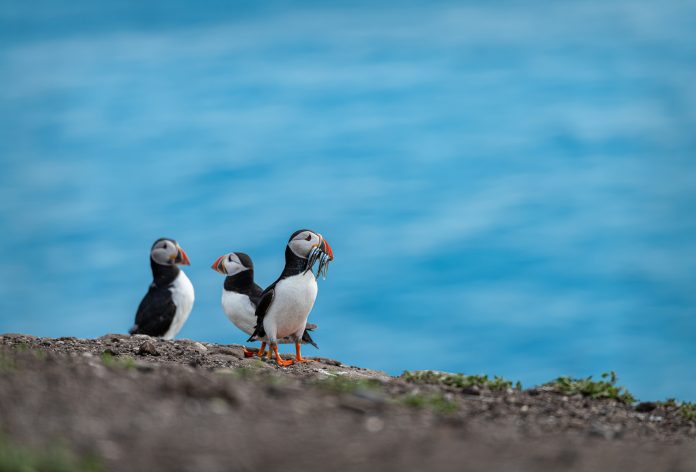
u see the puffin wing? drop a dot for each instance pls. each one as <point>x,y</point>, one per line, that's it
<point>261,310</point>
<point>155,313</point>
<point>255,295</point>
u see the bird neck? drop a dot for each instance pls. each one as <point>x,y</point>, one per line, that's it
<point>293,263</point>
<point>241,282</point>
<point>163,275</point>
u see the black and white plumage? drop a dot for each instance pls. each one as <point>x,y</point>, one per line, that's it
<point>241,295</point>
<point>287,302</point>
<point>169,299</point>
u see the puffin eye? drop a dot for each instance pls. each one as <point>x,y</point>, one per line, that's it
<point>308,238</point>
<point>229,258</point>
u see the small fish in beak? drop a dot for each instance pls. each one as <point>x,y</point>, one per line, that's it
<point>322,253</point>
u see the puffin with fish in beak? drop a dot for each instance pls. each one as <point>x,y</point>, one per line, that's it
<point>241,295</point>
<point>285,305</point>
<point>169,299</point>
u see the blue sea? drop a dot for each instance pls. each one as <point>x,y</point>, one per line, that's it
<point>509,187</point>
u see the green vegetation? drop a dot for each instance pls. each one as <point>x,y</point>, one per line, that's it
<point>459,380</point>
<point>605,388</point>
<point>687,411</point>
<point>55,459</point>
<point>117,362</point>
<point>434,401</point>
<point>345,384</point>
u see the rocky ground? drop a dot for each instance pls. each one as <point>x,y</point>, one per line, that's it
<point>135,403</point>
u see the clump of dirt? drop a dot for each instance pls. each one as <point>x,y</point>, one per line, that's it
<point>138,403</point>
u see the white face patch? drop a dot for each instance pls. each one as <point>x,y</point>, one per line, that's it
<point>302,244</point>
<point>164,252</point>
<point>232,264</point>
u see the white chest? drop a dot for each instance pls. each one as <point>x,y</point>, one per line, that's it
<point>239,310</point>
<point>183,297</point>
<point>292,301</point>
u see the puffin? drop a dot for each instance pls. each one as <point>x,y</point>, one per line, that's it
<point>241,295</point>
<point>284,306</point>
<point>169,299</point>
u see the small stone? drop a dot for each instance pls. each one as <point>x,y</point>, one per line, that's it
<point>645,407</point>
<point>199,347</point>
<point>148,348</point>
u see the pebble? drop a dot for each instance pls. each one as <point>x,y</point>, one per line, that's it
<point>148,348</point>
<point>199,347</point>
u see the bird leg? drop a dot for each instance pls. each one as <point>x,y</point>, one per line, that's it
<point>279,360</point>
<point>260,352</point>
<point>298,356</point>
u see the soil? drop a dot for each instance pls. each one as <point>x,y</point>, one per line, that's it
<point>138,403</point>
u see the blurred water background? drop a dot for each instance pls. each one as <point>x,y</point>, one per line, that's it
<point>509,187</point>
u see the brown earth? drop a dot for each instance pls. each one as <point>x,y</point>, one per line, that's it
<point>138,403</point>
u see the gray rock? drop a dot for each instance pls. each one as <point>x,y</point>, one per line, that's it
<point>148,348</point>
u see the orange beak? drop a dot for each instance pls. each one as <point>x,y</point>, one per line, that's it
<point>324,246</point>
<point>181,257</point>
<point>218,266</point>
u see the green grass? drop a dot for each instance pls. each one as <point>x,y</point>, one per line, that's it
<point>461,381</point>
<point>687,411</point>
<point>345,384</point>
<point>605,388</point>
<point>433,401</point>
<point>14,458</point>
<point>117,362</point>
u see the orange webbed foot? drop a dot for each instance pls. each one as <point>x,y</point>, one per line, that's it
<point>298,356</point>
<point>280,361</point>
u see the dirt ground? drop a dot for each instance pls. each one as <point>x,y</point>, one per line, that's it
<point>137,404</point>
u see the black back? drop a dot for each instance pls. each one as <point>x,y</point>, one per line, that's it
<point>156,310</point>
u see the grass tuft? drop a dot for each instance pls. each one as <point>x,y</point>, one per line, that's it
<point>687,410</point>
<point>117,362</point>
<point>461,381</point>
<point>596,389</point>
<point>345,384</point>
<point>433,401</point>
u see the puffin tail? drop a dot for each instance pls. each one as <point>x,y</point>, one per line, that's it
<point>133,330</point>
<point>307,339</point>
<point>253,335</point>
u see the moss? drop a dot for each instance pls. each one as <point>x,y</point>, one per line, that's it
<point>14,458</point>
<point>117,362</point>
<point>605,388</point>
<point>433,401</point>
<point>460,381</point>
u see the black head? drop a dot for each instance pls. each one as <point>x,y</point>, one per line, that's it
<point>167,252</point>
<point>233,263</point>
<point>303,241</point>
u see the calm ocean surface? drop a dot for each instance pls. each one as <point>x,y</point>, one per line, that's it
<point>509,187</point>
